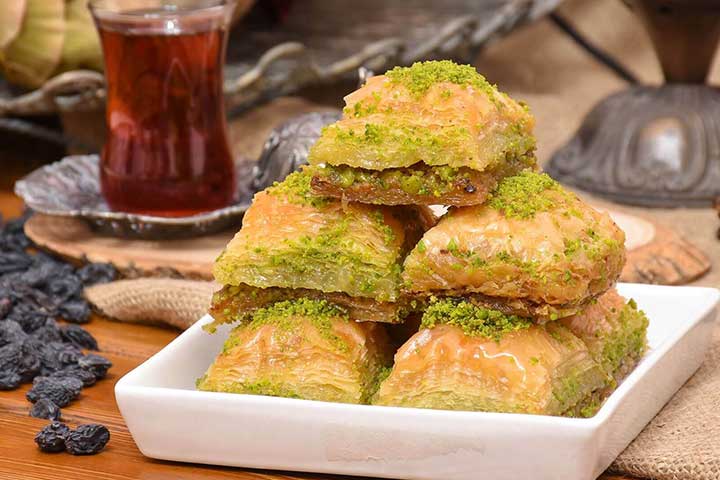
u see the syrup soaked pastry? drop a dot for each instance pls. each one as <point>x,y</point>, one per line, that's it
<point>238,303</point>
<point>471,358</point>
<point>302,349</point>
<point>535,249</point>
<point>432,133</point>
<point>615,332</point>
<point>293,239</point>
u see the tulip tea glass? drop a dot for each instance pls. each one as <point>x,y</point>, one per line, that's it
<point>167,152</point>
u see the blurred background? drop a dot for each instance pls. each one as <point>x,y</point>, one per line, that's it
<point>515,44</point>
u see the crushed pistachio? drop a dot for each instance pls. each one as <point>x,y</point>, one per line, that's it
<point>320,313</point>
<point>525,194</point>
<point>472,319</point>
<point>265,387</point>
<point>421,247</point>
<point>419,77</point>
<point>296,188</point>
<point>411,180</point>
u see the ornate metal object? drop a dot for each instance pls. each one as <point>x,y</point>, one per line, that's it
<point>656,146</point>
<point>648,146</point>
<point>287,147</point>
<point>71,188</point>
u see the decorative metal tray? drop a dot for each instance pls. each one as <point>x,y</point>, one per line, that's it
<point>71,187</point>
<point>318,42</point>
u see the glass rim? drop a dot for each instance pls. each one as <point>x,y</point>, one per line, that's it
<point>106,8</point>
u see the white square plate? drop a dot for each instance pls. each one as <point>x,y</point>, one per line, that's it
<point>170,420</point>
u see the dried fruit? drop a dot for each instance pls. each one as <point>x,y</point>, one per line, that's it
<point>28,318</point>
<point>34,289</point>
<point>79,337</point>
<point>94,273</point>
<point>52,437</point>
<point>30,361</point>
<point>75,310</point>
<point>11,332</point>
<point>62,390</point>
<point>87,377</point>
<point>10,356</point>
<point>48,332</point>
<point>87,439</point>
<point>57,355</point>
<point>45,408</point>
<point>14,262</point>
<point>9,380</point>
<point>96,364</point>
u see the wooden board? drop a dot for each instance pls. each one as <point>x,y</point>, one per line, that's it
<point>74,240</point>
<point>656,254</point>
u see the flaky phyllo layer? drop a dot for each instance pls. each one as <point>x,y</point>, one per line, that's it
<point>437,113</point>
<point>292,239</point>
<point>534,249</point>
<point>301,349</point>
<point>400,126</point>
<point>614,331</point>
<point>469,358</point>
<point>238,304</point>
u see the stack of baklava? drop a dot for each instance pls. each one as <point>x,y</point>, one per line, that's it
<point>507,299</point>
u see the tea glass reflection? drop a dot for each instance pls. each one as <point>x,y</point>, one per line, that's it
<point>167,152</point>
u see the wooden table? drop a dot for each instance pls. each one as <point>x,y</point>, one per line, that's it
<point>126,345</point>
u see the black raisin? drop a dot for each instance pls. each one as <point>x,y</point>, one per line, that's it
<point>57,355</point>
<point>96,364</point>
<point>85,376</point>
<point>44,271</point>
<point>10,356</point>
<point>62,390</point>
<point>94,273</point>
<point>67,286</point>
<point>30,362</point>
<point>45,408</point>
<point>9,380</point>
<point>11,332</point>
<point>6,303</point>
<point>79,337</point>
<point>49,332</point>
<point>28,313</point>
<point>14,262</point>
<point>75,310</point>
<point>52,437</point>
<point>87,439</point>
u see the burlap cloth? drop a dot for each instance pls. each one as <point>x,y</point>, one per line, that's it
<point>561,83</point>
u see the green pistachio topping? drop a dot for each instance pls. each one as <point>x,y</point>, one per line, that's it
<point>296,188</point>
<point>284,315</point>
<point>422,75</point>
<point>320,310</point>
<point>525,194</point>
<point>407,136</point>
<point>473,320</point>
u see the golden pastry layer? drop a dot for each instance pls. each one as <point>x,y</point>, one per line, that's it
<point>535,248</point>
<point>293,239</point>
<point>398,128</point>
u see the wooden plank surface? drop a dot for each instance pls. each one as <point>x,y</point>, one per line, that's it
<point>126,345</point>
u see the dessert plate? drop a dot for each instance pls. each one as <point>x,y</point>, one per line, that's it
<point>170,420</point>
